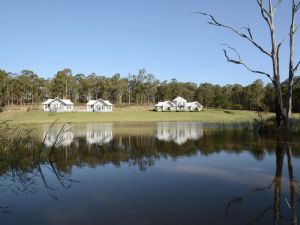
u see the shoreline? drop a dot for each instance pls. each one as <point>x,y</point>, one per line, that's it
<point>206,116</point>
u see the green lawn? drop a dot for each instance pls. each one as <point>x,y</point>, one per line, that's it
<point>34,117</point>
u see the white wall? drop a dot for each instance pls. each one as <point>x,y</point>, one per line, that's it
<point>57,106</point>
<point>100,107</point>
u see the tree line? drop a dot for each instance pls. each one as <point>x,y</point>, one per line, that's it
<point>27,88</point>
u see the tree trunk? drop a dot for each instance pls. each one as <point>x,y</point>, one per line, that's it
<point>279,109</point>
<point>289,94</point>
<point>120,98</point>
<point>288,107</point>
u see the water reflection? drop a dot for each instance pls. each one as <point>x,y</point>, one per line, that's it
<point>112,170</point>
<point>54,136</point>
<point>93,133</point>
<point>179,132</point>
<point>96,134</point>
<point>284,208</point>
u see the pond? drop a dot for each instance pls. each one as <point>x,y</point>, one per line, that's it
<point>150,173</point>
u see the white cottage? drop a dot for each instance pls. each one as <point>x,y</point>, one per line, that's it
<point>99,105</point>
<point>165,106</point>
<point>178,104</point>
<point>194,106</point>
<point>57,105</point>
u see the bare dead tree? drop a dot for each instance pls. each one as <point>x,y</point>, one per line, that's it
<point>268,14</point>
<point>292,68</point>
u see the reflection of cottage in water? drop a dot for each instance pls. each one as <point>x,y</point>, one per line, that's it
<point>57,137</point>
<point>92,133</point>
<point>99,134</point>
<point>179,132</point>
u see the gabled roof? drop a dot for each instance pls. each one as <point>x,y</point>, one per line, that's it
<point>179,99</point>
<point>107,102</point>
<point>194,103</point>
<point>169,103</point>
<point>64,101</point>
<point>93,102</point>
<point>47,101</point>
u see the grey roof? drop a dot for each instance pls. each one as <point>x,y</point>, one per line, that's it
<point>93,102</point>
<point>65,101</point>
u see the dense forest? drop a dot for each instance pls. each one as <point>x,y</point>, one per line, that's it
<point>27,88</point>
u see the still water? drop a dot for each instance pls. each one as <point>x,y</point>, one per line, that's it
<point>151,173</point>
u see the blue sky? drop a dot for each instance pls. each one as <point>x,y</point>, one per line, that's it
<point>123,36</point>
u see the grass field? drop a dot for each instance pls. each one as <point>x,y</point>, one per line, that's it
<point>209,116</point>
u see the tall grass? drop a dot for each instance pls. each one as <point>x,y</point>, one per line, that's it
<point>23,160</point>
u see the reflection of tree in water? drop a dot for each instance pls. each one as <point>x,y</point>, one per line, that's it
<point>24,166</point>
<point>282,149</point>
<point>25,162</point>
<point>143,150</point>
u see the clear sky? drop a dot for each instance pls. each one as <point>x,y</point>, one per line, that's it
<point>123,36</point>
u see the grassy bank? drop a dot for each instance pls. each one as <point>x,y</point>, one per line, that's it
<point>209,116</point>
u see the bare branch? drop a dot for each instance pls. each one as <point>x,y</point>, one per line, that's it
<point>248,36</point>
<point>297,6</point>
<point>240,62</point>
<point>270,7</point>
<point>265,14</point>
<point>277,5</point>
<point>283,39</point>
<point>249,31</point>
<point>296,67</point>
<point>281,42</point>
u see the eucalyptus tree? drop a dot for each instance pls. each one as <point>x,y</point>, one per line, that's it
<point>219,97</point>
<point>91,88</point>
<point>3,84</point>
<point>205,94</point>
<point>187,89</point>
<point>63,84</point>
<point>267,12</point>
<point>32,84</point>
<point>256,93</point>
<point>162,91</point>
<point>80,87</point>
<point>102,87</point>
<point>142,87</point>
<point>150,88</point>
<point>237,97</point>
<point>117,88</point>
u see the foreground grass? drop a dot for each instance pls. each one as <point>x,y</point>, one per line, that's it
<point>208,116</point>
